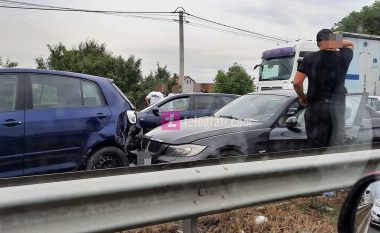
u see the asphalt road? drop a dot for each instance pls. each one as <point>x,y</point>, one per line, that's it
<point>373,229</point>
<point>367,228</point>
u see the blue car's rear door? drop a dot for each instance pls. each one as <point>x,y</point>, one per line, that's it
<point>65,114</point>
<point>11,125</point>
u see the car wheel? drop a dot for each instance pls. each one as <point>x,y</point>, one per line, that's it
<point>229,153</point>
<point>108,157</point>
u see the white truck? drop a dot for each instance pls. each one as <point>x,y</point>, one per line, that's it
<point>279,65</point>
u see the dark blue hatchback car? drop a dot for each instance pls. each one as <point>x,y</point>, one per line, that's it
<point>190,105</point>
<point>53,121</point>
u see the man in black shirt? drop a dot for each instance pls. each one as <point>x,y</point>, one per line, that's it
<point>325,103</point>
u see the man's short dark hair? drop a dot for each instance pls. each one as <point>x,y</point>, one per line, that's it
<point>324,34</point>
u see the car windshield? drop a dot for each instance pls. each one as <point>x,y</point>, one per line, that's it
<point>122,95</point>
<point>276,68</point>
<point>253,107</point>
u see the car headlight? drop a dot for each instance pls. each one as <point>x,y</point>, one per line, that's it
<point>131,116</point>
<point>187,150</point>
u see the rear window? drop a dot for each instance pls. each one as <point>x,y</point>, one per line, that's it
<point>122,95</point>
<point>53,91</point>
<point>208,102</point>
<point>91,94</point>
<point>227,99</point>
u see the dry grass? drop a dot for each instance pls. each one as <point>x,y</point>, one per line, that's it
<point>301,215</point>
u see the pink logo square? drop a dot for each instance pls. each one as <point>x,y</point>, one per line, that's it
<point>170,120</point>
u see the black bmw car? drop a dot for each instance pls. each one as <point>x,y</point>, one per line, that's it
<point>255,123</point>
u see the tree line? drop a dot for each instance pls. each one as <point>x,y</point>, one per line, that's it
<point>8,63</point>
<point>91,57</point>
<point>366,21</point>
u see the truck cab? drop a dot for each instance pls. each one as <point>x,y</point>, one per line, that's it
<point>279,65</point>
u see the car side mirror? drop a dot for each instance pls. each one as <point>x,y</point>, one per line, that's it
<point>291,122</point>
<point>155,111</point>
<point>360,211</point>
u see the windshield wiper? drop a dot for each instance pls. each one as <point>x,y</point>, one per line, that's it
<point>281,77</point>
<point>229,117</point>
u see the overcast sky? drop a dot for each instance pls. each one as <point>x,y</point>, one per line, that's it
<point>24,34</point>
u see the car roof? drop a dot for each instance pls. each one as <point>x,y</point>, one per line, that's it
<point>289,93</point>
<point>54,72</point>
<point>201,93</point>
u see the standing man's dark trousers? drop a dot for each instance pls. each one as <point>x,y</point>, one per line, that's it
<point>325,123</point>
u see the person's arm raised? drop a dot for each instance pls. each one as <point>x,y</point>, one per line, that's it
<point>348,44</point>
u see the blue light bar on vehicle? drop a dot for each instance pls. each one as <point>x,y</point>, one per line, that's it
<point>280,52</point>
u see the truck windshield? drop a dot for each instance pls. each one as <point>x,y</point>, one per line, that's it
<point>276,68</point>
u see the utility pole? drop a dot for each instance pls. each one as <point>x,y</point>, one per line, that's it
<point>181,52</point>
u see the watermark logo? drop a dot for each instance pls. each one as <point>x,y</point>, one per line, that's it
<point>170,120</point>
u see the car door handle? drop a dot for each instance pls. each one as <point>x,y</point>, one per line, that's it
<point>100,115</point>
<point>11,123</point>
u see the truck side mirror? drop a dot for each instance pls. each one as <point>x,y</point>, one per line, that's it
<point>257,66</point>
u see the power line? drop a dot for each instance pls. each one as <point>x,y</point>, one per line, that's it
<point>152,15</point>
<point>144,17</point>
<point>131,15</point>
<point>31,4</point>
<point>115,13</point>
<point>228,31</point>
<point>83,10</point>
<point>225,30</point>
<point>238,29</point>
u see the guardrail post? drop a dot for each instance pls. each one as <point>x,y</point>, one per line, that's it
<point>143,158</point>
<point>190,225</point>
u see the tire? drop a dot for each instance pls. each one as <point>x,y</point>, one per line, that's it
<point>229,153</point>
<point>107,157</point>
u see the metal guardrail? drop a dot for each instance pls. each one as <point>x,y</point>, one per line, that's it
<point>119,202</point>
<point>36,179</point>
